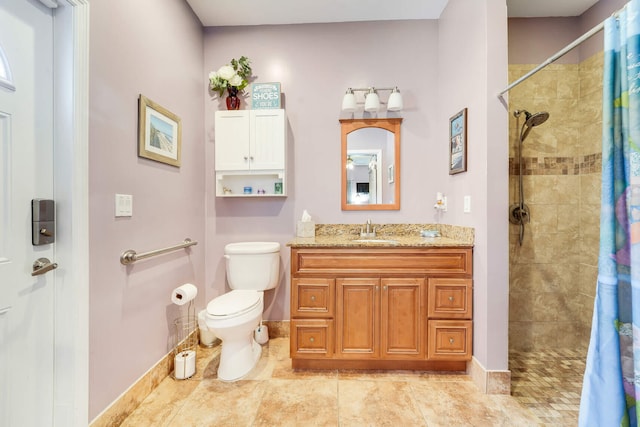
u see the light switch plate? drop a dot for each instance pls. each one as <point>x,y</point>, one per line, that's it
<point>124,205</point>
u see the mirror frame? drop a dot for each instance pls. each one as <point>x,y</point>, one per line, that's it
<point>393,126</point>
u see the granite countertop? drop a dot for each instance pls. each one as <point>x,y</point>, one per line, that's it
<point>387,235</point>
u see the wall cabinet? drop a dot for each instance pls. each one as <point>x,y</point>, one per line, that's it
<point>381,308</point>
<point>250,151</point>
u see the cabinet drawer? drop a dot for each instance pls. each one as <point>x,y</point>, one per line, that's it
<point>312,297</point>
<point>450,340</point>
<point>311,338</point>
<point>450,298</point>
<point>381,261</point>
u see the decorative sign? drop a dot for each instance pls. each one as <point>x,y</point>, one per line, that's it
<point>265,96</point>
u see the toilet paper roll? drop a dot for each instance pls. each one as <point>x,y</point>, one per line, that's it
<point>185,364</point>
<point>183,294</point>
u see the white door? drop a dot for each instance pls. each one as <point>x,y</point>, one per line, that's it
<point>26,173</point>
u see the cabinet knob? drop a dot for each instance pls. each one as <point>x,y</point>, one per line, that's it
<point>451,299</point>
<point>312,339</point>
<point>384,288</point>
<point>246,158</point>
<point>451,340</point>
<point>313,297</point>
<point>377,288</point>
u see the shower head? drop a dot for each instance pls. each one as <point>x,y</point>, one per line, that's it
<point>536,118</point>
<point>531,120</point>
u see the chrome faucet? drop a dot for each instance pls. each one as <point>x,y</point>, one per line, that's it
<point>370,232</point>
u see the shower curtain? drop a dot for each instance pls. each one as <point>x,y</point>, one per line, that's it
<point>612,375</point>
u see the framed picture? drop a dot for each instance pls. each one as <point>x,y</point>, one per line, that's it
<point>159,133</point>
<point>390,174</point>
<point>458,143</point>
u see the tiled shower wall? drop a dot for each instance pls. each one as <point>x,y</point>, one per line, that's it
<point>553,273</point>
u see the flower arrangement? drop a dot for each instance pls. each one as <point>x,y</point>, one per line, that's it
<point>232,77</point>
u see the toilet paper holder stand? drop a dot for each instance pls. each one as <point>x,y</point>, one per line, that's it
<point>186,344</point>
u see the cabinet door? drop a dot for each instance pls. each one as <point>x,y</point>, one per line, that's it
<point>450,298</point>
<point>403,321</point>
<point>267,139</point>
<point>450,340</point>
<point>358,318</point>
<point>232,136</point>
<point>311,338</point>
<point>312,297</point>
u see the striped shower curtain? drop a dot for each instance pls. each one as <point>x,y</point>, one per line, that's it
<point>612,375</point>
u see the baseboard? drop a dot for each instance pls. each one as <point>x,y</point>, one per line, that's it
<point>131,398</point>
<point>278,328</point>
<point>489,382</point>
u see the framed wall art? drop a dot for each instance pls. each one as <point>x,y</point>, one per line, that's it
<point>159,133</point>
<point>458,143</point>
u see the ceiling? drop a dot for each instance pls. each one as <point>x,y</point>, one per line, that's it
<point>251,12</point>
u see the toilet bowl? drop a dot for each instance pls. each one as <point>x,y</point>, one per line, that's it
<point>251,268</point>
<point>232,317</point>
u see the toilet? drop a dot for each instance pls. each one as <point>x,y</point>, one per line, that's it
<point>251,268</point>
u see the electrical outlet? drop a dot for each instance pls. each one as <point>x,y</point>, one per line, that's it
<point>467,204</point>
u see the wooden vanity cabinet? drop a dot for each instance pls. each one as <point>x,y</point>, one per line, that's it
<point>404,308</point>
<point>379,318</point>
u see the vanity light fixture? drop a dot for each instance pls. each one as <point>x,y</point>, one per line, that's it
<point>349,101</point>
<point>372,100</point>
<point>349,162</point>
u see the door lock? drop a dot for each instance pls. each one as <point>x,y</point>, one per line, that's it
<point>43,213</point>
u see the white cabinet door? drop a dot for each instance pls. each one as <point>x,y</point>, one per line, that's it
<point>267,140</point>
<point>232,135</point>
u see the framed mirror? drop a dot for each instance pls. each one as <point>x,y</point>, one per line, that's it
<point>370,164</point>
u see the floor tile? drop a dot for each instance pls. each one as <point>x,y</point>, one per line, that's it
<point>545,390</point>
<point>377,403</point>
<point>313,402</point>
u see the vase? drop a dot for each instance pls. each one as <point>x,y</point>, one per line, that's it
<point>233,102</point>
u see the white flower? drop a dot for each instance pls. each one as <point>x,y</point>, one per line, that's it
<point>212,75</point>
<point>236,80</point>
<point>226,72</point>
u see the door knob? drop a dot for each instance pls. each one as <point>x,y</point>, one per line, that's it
<point>42,266</point>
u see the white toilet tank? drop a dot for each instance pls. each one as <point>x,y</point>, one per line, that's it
<point>253,265</point>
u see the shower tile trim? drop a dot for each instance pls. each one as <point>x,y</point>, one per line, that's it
<point>552,165</point>
<point>488,381</point>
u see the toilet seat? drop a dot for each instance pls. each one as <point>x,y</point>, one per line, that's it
<point>234,303</point>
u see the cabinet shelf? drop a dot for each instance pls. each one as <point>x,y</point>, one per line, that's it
<point>234,183</point>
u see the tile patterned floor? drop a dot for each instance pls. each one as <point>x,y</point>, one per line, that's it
<point>549,383</point>
<point>275,395</point>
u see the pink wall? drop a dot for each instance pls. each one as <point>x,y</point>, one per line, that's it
<point>440,67</point>
<point>153,47</point>
<point>315,64</point>
<point>472,70</point>
<point>533,40</point>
